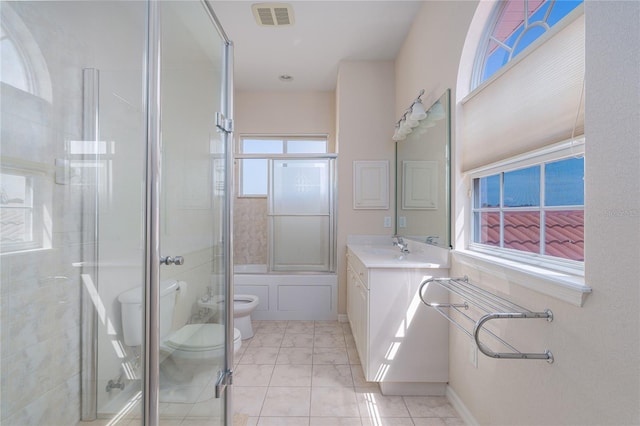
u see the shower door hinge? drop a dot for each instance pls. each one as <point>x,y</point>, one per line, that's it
<point>224,379</point>
<point>223,123</point>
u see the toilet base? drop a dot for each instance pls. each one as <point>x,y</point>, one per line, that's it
<point>185,381</point>
<point>177,394</point>
<point>244,325</point>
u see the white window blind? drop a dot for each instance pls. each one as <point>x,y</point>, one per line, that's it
<point>532,103</point>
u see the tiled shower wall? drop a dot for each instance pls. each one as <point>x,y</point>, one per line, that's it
<point>40,289</point>
<point>250,231</point>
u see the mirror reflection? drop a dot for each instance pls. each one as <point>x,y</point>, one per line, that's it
<point>423,178</point>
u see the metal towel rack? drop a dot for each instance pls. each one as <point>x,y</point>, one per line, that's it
<point>494,307</point>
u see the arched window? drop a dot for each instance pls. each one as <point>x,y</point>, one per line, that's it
<point>14,69</point>
<point>514,26</point>
<point>22,64</point>
<point>521,136</point>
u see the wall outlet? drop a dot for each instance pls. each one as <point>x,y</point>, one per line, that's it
<point>387,221</point>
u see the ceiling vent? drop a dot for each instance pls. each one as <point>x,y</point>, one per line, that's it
<point>273,14</point>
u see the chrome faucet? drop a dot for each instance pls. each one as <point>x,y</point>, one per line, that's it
<point>404,248</point>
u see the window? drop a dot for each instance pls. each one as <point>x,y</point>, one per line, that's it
<point>16,210</point>
<point>531,209</point>
<point>516,24</point>
<point>14,68</point>
<point>22,64</point>
<point>254,155</point>
<point>525,217</point>
<point>24,219</point>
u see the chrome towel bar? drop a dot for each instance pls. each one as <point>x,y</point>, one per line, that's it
<point>488,307</point>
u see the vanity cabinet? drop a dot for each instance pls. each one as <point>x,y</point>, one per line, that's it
<point>402,343</point>
<point>358,306</point>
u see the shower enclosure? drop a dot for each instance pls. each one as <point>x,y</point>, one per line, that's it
<point>286,238</point>
<point>115,146</point>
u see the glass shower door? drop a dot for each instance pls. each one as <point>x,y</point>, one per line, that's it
<point>74,237</point>
<point>301,219</point>
<point>192,215</point>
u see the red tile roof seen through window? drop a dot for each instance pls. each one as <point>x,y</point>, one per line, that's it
<point>564,232</point>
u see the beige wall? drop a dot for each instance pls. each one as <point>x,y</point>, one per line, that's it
<point>365,117</point>
<point>595,378</point>
<point>290,113</point>
<point>430,54</point>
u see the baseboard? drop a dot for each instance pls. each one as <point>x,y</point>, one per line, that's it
<point>459,406</point>
<point>343,318</point>
<point>412,388</point>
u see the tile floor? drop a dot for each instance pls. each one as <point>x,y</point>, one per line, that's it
<point>294,373</point>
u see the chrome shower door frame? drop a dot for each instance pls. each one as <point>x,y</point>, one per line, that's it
<point>153,256</point>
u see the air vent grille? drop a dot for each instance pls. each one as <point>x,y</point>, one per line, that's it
<point>282,15</point>
<point>265,17</point>
<point>273,14</point>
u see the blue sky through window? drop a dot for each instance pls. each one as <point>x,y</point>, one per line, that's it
<point>563,186</point>
<point>564,183</point>
<point>490,191</point>
<point>254,171</point>
<point>522,187</point>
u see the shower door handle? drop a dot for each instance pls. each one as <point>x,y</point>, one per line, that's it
<point>168,260</point>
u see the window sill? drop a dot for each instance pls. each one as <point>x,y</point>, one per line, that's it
<point>560,285</point>
<point>22,251</point>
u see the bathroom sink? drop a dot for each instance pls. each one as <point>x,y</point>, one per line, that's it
<point>383,251</point>
<point>392,253</point>
<point>391,257</point>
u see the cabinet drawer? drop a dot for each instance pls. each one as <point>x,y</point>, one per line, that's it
<point>358,268</point>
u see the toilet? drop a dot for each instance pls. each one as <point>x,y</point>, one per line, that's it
<point>190,355</point>
<point>243,306</point>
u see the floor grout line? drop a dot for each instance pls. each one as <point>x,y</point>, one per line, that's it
<point>319,372</point>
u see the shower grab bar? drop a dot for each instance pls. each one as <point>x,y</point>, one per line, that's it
<point>494,308</point>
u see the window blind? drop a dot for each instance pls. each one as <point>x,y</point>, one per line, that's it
<point>533,103</point>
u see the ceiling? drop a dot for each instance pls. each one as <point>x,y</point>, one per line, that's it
<point>323,34</point>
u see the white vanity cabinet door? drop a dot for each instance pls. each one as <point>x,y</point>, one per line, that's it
<point>358,311</point>
<point>408,341</point>
<point>402,343</point>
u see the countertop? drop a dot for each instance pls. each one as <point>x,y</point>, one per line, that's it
<point>389,256</point>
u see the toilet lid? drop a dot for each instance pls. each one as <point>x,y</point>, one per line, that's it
<point>198,337</point>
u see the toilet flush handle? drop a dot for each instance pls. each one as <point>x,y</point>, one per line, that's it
<point>168,260</point>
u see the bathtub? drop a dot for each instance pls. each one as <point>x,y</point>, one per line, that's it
<point>288,296</point>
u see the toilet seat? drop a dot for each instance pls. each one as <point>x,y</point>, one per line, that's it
<point>243,304</point>
<point>240,298</point>
<point>199,341</point>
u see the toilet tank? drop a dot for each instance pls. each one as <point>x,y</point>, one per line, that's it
<point>131,306</point>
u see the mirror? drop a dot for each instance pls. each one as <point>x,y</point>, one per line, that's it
<point>423,178</point>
